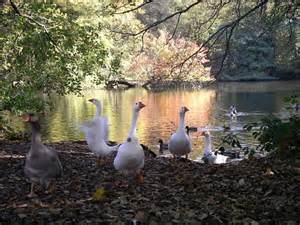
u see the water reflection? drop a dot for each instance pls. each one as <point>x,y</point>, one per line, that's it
<point>160,116</point>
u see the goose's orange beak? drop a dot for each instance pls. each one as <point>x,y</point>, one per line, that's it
<point>141,105</point>
<point>25,117</point>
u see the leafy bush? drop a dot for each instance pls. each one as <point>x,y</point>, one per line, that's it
<point>7,131</point>
<point>278,135</point>
<point>281,136</point>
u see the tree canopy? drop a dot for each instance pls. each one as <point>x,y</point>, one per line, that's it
<point>62,46</point>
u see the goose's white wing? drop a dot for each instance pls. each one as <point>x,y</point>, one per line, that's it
<point>104,128</point>
<point>130,157</point>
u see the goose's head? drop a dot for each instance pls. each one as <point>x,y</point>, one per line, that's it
<point>138,106</point>
<point>183,110</point>
<point>30,118</point>
<point>160,141</point>
<point>94,101</point>
<point>33,119</point>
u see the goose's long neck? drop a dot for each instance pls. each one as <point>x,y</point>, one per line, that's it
<point>181,121</point>
<point>36,134</point>
<point>207,145</point>
<point>98,109</point>
<point>132,129</point>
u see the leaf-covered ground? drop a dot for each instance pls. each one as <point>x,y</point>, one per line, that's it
<point>174,192</point>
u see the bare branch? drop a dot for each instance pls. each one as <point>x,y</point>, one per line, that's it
<point>155,24</point>
<point>175,29</point>
<point>135,8</point>
<point>219,33</point>
<point>227,49</point>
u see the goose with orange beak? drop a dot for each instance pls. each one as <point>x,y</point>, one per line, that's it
<point>42,164</point>
<point>130,157</point>
<point>209,156</point>
<point>96,134</point>
<point>180,143</point>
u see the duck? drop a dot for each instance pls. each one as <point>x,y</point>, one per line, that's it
<point>190,129</point>
<point>180,143</point>
<point>209,156</point>
<point>162,146</point>
<point>42,164</point>
<point>96,133</point>
<point>230,153</point>
<point>232,112</point>
<point>130,156</point>
<point>226,127</point>
<point>297,106</point>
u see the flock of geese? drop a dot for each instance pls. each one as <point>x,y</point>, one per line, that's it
<point>42,163</point>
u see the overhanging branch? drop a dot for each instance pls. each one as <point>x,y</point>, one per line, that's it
<point>33,21</point>
<point>135,8</point>
<point>215,36</point>
<point>155,24</point>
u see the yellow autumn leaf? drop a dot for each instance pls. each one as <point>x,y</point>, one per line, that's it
<point>99,194</point>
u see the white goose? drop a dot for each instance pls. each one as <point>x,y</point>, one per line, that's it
<point>42,164</point>
<point>130,156</point>
<point>104,128</point>
<point>209,156</point>
<point>96,132</point>
<point>180,143</point>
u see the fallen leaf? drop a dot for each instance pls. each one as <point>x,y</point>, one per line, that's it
<point>99,194</point>
<point>268,172</point>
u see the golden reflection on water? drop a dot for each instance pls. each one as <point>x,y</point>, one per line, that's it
<point>159,119</point>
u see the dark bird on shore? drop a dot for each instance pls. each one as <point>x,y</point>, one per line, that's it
<point>226,127</point>
<point>148,152</point>
<point>162,146</point>
<point>230,153</point>
<point>42,164</point>
<point>190,129</point>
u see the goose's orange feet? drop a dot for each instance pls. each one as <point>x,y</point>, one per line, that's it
<point>50,187</point>
<point>140,178</point>
<point>99,161</point>
<point>32,194</point>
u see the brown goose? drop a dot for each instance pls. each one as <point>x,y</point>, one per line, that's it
<point>42,163</point>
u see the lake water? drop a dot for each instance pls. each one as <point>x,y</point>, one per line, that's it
<point>159,119</point>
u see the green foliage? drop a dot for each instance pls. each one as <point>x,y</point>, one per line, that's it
<point>8,132</point>
<point>233,141</point>
<point>202,20</point>
<point>51,55</point>
<point>281,136</point>
<point>251,53</point>
<point>291,99</point>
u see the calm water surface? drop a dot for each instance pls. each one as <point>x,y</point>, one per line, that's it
<point>159,119</point>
